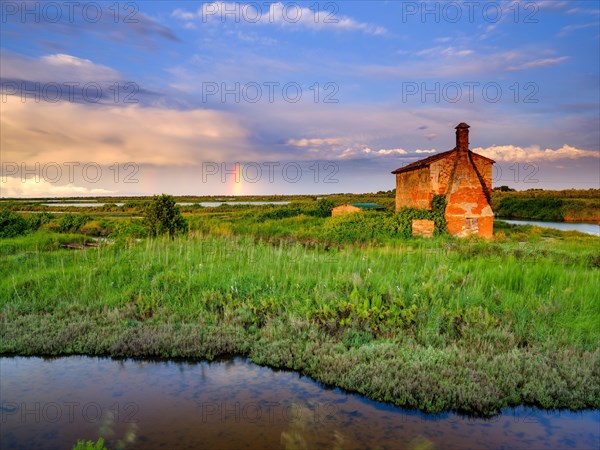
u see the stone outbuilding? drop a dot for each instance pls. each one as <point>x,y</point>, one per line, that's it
<point>462,176</point>
<point>348,208</point>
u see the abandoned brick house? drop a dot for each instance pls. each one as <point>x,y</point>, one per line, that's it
<point>463,177</point>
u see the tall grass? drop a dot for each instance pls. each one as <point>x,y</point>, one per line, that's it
<point>441,290</point>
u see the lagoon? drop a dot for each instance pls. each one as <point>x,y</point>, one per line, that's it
<point>233,403</point>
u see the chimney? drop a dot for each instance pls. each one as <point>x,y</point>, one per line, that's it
<point>462,137</point>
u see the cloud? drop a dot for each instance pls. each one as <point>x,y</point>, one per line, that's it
<point>564,31</point>
<point>32,188</point>
<point>289,15</point>
<point>341,148</point>
<point>444,51</point>
<point>63,77</point>
<point>62,132</point>
<point>362,151</point>
<point>313,142</point>
<point>56,68</point>
<point>556,5</point>
<point>116,21</point>
<point>437,62</point>
<point>534,153</point>
<point>344,148</point>
<point>538,63</point>
<point>386,152</point>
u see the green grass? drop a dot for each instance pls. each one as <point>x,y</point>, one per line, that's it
<point>442,323</point>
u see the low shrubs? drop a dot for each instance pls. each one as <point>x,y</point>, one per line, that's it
<point>12,224</point>
<point>376,226</point>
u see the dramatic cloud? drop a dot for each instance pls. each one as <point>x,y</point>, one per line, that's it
<point>58,132</point>
<point>534,153</point>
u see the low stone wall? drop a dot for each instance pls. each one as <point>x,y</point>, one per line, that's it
<point>423,227</point>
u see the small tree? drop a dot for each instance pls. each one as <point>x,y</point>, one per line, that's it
<point>324,207</point>
<point>163,215</point>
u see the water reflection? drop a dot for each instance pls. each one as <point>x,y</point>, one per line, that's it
<point>589,228</point>
<point>51,403</point>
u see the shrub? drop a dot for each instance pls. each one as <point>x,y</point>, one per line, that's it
<point>324,207</point>
<point>131,229</point>
<point>11,224</point>
<point>92,228</point>
<point>35,221</point>
<point>164,216</point>
<point>369,225</point>
<point>70,223</point>
<point>90,445</point>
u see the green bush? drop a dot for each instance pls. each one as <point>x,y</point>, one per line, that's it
<point>90,445</point>
<point>163,215</point>
<point>370,225</point>
<point>12,224</point>
<point>35,221</point>
<point>279,213</point>
<point>324,207</point>
<point>70,223</point>
<point>131,229</point>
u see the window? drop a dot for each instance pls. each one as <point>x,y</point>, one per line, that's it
<point>471,223</point>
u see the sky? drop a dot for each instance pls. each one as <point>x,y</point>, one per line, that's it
<point>249,98</point>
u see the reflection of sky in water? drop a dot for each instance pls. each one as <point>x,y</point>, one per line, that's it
<point>233,404</point>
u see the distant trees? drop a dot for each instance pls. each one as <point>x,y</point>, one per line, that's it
<point>162,215</point>
<point>504,189</point>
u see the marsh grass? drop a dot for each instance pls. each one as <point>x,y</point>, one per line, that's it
<point>435,324</point>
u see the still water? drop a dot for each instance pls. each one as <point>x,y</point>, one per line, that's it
<point>234,404</point>
<point>589,228</point>
<point>80,205</point>
<point>207,204</point>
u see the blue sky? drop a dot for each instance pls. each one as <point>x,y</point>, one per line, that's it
<point>146,97</point>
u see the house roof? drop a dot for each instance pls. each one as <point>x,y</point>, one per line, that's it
<point>427,161</point>
<point>368,205</point>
